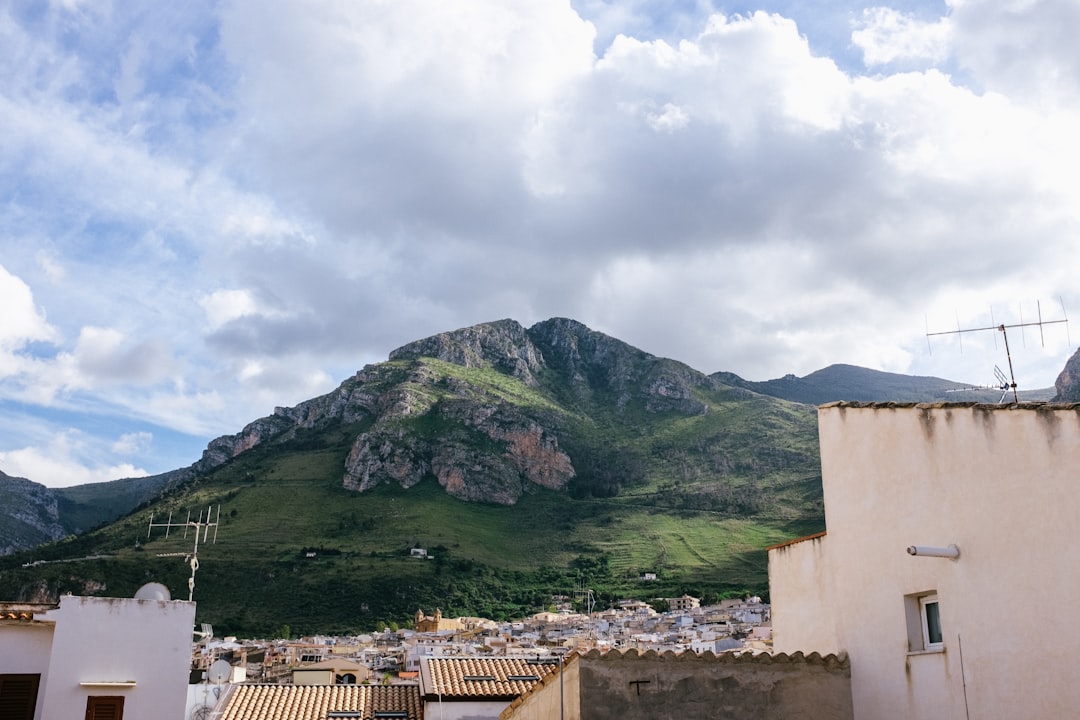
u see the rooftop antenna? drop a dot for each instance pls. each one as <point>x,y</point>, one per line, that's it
<point>1002,385</point>
<point>1010,382</point>
<point>202,527</point>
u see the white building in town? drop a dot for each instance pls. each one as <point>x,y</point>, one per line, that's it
<point>952,533</point>
<point>93,657</point>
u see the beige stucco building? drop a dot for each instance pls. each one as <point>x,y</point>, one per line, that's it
<point>970,625</point>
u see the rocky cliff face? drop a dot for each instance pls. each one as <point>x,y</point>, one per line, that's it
<point>425,422</point>
<point>29,515</point>
<point>1067,384</point>
<point>597,364</point>
<point>480,452</point>
<point>503,345</point>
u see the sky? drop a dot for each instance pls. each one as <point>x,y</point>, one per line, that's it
<point>212,208</point>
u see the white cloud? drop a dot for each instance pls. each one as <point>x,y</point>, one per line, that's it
<point>222,306</point>
<point>107,355</point>
<point>280,193</point>
<point>23,322</point>
<point>886,35</point>
<point>53,269</point>
<point>1025,49</point>
<point>67,460</point>
<point>137,443</point>
<point>669,119</point>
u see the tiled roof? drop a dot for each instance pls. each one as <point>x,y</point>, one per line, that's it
<point>493,678</point>
<point>12,612</point>
<point>317,702</point>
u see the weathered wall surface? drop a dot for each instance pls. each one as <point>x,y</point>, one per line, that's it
<point>1000,482</point>
<point>800,588</point>
<point>650,686</point>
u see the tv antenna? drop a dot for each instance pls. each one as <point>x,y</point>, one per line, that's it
<point>202,527</point>
<point>1002,385</point>
<point>1008,383</point>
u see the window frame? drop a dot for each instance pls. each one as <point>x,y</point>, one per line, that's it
<point>925,602</point>
<point>919,623</point>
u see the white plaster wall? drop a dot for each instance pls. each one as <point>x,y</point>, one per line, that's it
<point>25,648</point>
<point>120,639</point>
<point>1001,483</point>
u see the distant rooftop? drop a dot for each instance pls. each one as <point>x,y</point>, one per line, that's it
<point>483,678</point>
<point>319,702</point>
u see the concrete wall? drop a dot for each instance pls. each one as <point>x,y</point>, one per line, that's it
<point>629,686</point>
<point>1000,482</point>
<point>464,709</point>
<point>102,640</point>
<point>313,677</point>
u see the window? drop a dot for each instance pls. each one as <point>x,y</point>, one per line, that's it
<point>923,614</point>
<point>18,696</point>
<point>930,617</point>
<point>105,708</point>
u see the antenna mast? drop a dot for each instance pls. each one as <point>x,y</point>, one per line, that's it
<point>1002,328</point>
<point>201,527</point>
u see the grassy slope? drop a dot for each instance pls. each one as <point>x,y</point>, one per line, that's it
<point>277,500</point>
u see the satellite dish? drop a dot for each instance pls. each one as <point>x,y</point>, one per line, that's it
<point>219,672</point>
<point>153,591</point>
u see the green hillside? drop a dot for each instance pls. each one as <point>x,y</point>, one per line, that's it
<point>676,474</point>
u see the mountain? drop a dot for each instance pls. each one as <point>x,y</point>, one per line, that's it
<point>858,384</point>
<point>1067,385</point>
<point>32,514</point>
<point>526,461</point>
<point>28,518</point>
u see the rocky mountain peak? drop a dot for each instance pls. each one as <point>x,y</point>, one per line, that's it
<point>597,363</point>
<point>503,345</point>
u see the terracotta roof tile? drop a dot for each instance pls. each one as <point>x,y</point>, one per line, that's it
<point>317,702</point>
<point>475,678</point>
<point>14,612</point>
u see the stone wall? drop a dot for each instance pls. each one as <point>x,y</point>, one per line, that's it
<point>678,686</point>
